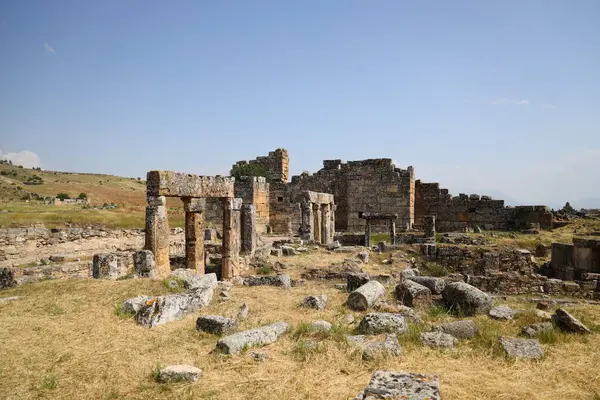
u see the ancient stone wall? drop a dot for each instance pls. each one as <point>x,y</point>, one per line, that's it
<point>276,164</point>
<point>569,262</point>
<point>374,185</point>
<point>255,190</point>
<point>467,211</point>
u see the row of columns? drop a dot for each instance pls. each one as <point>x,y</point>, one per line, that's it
<point>158,234</point>
<point>318,222</point>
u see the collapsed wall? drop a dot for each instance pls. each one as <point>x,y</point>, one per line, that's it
<point>463,211</point>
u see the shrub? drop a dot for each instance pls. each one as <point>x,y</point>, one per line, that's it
<point>240,170</point>
<point>63,196</point>
<point>82,196</point>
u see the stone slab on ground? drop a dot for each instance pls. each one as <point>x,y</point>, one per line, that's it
<point>317,302</point>
<point>379,322</point>
<point>321,326</point>
<point>216,324</point>
<point>133,305</point>
<point>191,280</point>
<point>179,373</point>
<point>502,313</point>
<point>234,344</point>
<point>438,340</point>
<point>271,280</point>
<point>521,348</point>
<point>567,322</point>
<point>5,300</point>
<point>412,294</point>
<point>389,346</point>
<point>401,385</point>
<point>436,285</point>
<point>463,329</point>
<point>534,330</point>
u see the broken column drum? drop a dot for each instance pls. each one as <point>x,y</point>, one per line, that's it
<point>192,189</point>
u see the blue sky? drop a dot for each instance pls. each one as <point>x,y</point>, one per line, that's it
<point>481,96</point>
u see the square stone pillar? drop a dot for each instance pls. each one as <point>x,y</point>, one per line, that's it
<point>307,231</point>
<point>231,237</point>
<point>332,229</point>
<point>194,234</point>
<point>367,233</point>
<point>325,224</point>
<point>317,231</point>
<point>157,234</point>
<point>248,233</point>
<point>429,224</point>
<point>392,231</point>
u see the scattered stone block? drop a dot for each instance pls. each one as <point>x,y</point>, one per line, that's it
<point>401,385</point>
<point>354,280</point>
<point>242,312</point>
<point>58,258</point>
<point>132,306</point>
<point>316,302</point>
<point>412,294</point>
<point>299,282</point>
<point>143,264</point>
<point>568,323</point>
<point>438,339</point>
<point>545,315</point>
<point>349,319</point>
<point>363,256</point>
<point>378,322</point>
<point>5,300</point>
<point>365,296</point>
<point>321,326</point>
<point>535,329</point>
<point>110,265</point>
<point>179,373</point>
<point>288,251</point>
<point>234,344</point>
<point>272,280</point>
<point>436,285</point>
<point>462,329</point>
<point>409,272</point>
<point>466,299</point>
<point>216,324</point>
<point>277,252</point>
<point>502,312</point>
<point>521,348</point>
<point>542,305</point>
<point>389,346</point>
<point>192,281</point>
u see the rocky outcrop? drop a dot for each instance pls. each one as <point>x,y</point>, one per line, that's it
<point>234,344</point>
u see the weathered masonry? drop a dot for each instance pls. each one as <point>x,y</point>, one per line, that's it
<point>193,190</point>
<point>370,217</point>
<point>377,186</point>
<point>318,216</point>
<point>571,261</point>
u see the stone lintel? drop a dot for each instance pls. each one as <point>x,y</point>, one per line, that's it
<point>376,215</point>
<point>314,197</point>
<point>178,184</point>
<point>194,204</point>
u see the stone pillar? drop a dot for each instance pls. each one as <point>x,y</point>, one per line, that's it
<point>429,223</point>
<point>248,233</point>
<point>307,221</point>
<point>326,224</point>
<point>332,229</point>
<point>157,234</point>
<point>231,237</point>
<point>392,231</point>
<point>367,233</point>
<point>317,232</point>
<point>194,234</point>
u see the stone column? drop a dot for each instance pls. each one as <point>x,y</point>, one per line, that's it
<point>248,233</point>
<point>157,234</point>
<point>307,221</point>
<point>332,229</point>
<point>367,233</point>
<point>392,231</point>
<point>325,224</point>
<point>194,234</point>
<point>317,232</point>
<point>231,237</point>
<point>429,223</point>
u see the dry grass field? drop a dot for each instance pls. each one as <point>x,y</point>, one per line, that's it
<point>65,340</point>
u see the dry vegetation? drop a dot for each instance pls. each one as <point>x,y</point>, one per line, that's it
<point>65,340</point>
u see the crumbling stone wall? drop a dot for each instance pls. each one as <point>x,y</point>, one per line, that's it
<point>569,262</point>
<point>374,185</point>
<point>463,211</point>
<point>276,163</point>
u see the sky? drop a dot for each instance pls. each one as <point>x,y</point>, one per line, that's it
<point>499,97</point>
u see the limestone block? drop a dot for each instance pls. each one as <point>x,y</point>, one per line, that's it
<point>179,373</point>
<point>521,348</point>
<point>143,264</point>
<point>463,329</point>
<point>436,285</point>
<point>379,322</point>
<point>321,326</point>
<point>110,265</point>
<point>316,302</point>
<point>466,299</point>
<point>264,335</point>
<point>438,339</point>
<point>133,305</point>
<point>389,346</point>
<point>176,184</point>
<point>536,329</point>
<point>356,280</point>
<point>569,323</point>
<point>216,324</point>
<point>273,280</point>
<point>412,294</point>
<point>502,312</point>
<point>401,385</point>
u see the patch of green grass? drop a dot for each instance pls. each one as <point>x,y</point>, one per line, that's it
<point>156,372</point>
<point>305,349</point>
<point>412,338</point>
<point>430,268</point>
<point>437,310</point>
<point>549,337</point>
<point>337,332</point>
<point>265,269</point>
<point>125,277</point>
<point>49,382</point>
<point>487,340</point>
<point>120,313</point>
<point>173,288</point>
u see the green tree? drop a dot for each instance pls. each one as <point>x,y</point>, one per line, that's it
<point>82,196</point>
<point>248,170</point>
<point>63,196</point>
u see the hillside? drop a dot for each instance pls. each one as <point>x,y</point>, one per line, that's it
<point>128,194</point>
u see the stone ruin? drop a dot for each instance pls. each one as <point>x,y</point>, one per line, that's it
<point>370,217</point>
<point>578,261</point>
<point>193,190</point>
<point>318,217</point>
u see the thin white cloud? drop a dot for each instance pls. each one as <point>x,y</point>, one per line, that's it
<point>522,102</point>
<point>49,49</point>
<point>27,159</point>
<point>548,106</point>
